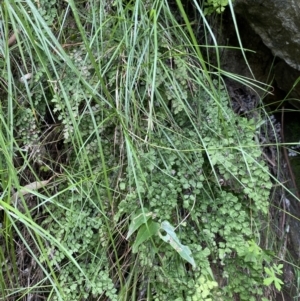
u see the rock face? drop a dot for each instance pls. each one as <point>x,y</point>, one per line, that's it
<point>287,79</point>
<point>277,22</point>
<point>259,57</point>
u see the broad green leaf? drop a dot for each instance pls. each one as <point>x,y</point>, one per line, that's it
<point>278,268</point>
<point>145,232</point>
<point>278,283</point>
<point>141,217</point>
<point>269,272</point>
<point>173,240</point>
<point>268,281</point>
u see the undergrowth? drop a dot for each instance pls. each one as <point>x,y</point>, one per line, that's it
<point>108,112</point>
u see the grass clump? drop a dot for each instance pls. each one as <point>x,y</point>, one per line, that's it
<point>118,115</point>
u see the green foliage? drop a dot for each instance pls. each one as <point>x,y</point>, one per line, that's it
<point>140,218</point>
<point>148,228</point>
<point>48,10</point>
<point>272,273</point>
<point>134,128</point>
<point>189,181</point>
<point>246,272</point>
<point>145,232</point>
<point>217,6</point>
<point>3,70</point>
<point>82,231</point>
<point>206,290</point>
<point>172,239</point>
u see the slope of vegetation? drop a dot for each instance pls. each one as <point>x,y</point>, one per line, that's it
<point>125,173</point>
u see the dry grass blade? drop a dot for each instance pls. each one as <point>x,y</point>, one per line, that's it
<point>29,188</point>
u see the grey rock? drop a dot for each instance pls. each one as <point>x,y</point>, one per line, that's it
<point>277,22</point>
<point>288,80</point>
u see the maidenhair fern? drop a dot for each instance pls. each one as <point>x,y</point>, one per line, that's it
<point>140,128</point>
<point>212,6</point>
<point>81,230</point>
<point>201,164</point>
